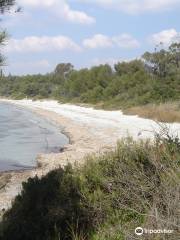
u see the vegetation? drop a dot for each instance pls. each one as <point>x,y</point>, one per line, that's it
<point>163,112</point>
<point>137,184</point>
<point>5,5</point>
<point>153,79</point>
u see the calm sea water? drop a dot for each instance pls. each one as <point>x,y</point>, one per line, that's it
<point>23,135</point>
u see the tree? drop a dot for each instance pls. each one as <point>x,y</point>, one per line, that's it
<point>175,53</point>
<point>157,62</point>
<point>3,37</point>
<point>163,62</point>
<point>5,5</point>
<point>131,67</point>
<point>63,69</point>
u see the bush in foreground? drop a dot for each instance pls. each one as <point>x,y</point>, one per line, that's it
<point>47,208</point>
<point>137,184</point>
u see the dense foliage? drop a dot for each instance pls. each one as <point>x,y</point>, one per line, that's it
<point>153,79</point>
<point>137,184</point>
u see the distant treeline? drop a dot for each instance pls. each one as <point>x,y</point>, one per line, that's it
<point>154,78</point>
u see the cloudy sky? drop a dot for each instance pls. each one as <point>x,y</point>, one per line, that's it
<point>86,32</point>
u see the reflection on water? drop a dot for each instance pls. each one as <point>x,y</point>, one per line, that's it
<point>23,135</point>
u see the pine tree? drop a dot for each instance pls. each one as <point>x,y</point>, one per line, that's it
<point>5,5</point>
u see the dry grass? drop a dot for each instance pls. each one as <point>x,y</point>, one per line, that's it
<point>167,112</point>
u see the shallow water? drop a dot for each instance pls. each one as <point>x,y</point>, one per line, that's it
<point>23,135</point>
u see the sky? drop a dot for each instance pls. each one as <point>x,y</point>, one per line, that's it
<point>86,32</point>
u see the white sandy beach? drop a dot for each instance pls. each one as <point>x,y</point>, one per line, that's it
<point>90,131</point>
<point>99,121</point>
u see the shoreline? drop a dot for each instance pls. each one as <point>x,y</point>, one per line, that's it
<point>34,116</point>
<point>46,162</point>
<point>89,131</point>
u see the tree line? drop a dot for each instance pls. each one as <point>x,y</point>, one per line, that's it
<point>154,78</point>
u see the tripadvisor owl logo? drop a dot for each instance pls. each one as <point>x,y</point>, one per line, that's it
<point>139,231</point>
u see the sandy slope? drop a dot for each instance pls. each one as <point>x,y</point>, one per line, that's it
<point>90,131</point>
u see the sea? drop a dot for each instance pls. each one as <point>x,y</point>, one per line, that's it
<point>24,135</point>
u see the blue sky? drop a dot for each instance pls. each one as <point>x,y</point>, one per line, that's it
<point>86,32</point>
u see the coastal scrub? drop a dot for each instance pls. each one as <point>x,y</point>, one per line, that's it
<point>137,184</point>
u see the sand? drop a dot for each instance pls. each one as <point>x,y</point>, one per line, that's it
<point>89,130</point>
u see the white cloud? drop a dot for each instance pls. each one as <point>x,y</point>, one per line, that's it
<point>59,8</point>
<point>98,41</point>
<point>136,6</point>
<point>28,67</point>
<point>126,41</point>
<point>42,63</point>
<point>37,3</point>
<point>61,43</point>
<point>75,16</point>
<point>42,44</point>
<point>165,37</point>
<point>103,41</point>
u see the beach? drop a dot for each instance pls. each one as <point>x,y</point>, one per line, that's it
<point>89,131</point>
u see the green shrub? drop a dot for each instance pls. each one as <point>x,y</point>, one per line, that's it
<point>47,208</point>
<point>136,184</point>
